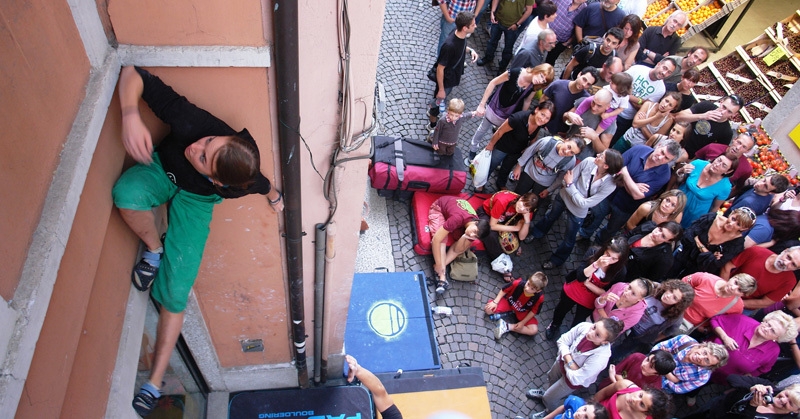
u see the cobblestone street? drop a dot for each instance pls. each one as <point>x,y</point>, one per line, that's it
<point>516,363</point>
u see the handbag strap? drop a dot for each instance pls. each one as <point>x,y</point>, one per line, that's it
<point>722,311</point>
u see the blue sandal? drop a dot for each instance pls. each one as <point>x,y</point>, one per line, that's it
<point>145,270</point>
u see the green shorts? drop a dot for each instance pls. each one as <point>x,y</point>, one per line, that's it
<point>143,188</point>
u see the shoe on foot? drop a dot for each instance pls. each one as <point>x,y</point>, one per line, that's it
<point>691,401</point>
<point>483,61</point>
<point>548,265</point>
<point>145,271</point>
<point>442,286</point>
<point>539,415</point>
<point>529,239</point>
<point>145,401</point>
<point>535,394</point>
<point>501,329</point>
<point>550,332</point>
<point>467,162</point>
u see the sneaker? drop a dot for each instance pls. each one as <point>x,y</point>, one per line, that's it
<point>442,286</point>
<point>535,394</point>
<point>550,332</point>
<point>539,415</point>
<point>145,270</point>
<point>548,265</point>
<point>144,402</point>
<point>501,329</point>
<point>467,162</point>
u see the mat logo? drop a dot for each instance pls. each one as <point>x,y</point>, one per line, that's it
<point>387,319</point>
<point>295,414</point>
<point>305,413</point>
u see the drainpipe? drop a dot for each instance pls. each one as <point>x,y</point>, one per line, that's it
<point>320,240</point>
<point>285,24</point>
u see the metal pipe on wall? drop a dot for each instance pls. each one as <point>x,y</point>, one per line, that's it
<point>320,238</point>
<point>285,34</point>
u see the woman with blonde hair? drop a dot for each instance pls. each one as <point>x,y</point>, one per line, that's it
<point>513,92</point>
<point>752,346</point>
<point>667,207</point>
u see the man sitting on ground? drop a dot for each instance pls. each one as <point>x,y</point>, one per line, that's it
<point>453,217</point>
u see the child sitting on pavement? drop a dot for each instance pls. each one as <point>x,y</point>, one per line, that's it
<point>445,136</point>
<point>524,299</point>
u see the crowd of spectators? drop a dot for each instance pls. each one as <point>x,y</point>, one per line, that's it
<point>673,292</point>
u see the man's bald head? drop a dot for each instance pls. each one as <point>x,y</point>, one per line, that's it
<point>613,65</point>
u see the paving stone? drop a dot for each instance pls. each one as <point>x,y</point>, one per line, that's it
<point>408,47</point>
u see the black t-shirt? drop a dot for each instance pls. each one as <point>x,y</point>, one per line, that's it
<point>516,140</point>
<point>596,60</point>
<point>188,123</point>
<point>510,92</point>
<point>451,56</point>
<point>686,100</point>
<point>705,132</point>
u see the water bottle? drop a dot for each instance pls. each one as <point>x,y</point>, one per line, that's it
<point>443,311</point>
<point>440,102</point>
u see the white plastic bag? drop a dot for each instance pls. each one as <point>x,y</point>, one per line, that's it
<point>502,264</point>
<point>480,168</point>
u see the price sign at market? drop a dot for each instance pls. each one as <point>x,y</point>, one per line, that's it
<point>775,55</point>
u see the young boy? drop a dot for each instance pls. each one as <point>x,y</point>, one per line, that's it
<point>445,136</point>
<point>574,408</point>
<point>524,300</point>
<point>620,88</point>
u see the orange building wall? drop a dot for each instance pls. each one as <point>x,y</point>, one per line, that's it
<point>319,90</point>
<point>187,22</point>
<point>42,81</point>
<point>240,287</point>
<point>80,334</point>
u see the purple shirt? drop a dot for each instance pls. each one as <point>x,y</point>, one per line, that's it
<point>745,360</point>
<point>563,25</point>
<point>629,315</point>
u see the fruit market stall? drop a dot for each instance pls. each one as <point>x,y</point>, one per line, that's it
<point>761,72</point>
<point>702,15</point>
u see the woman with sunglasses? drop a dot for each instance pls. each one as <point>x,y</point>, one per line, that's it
<point>711,242</point>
